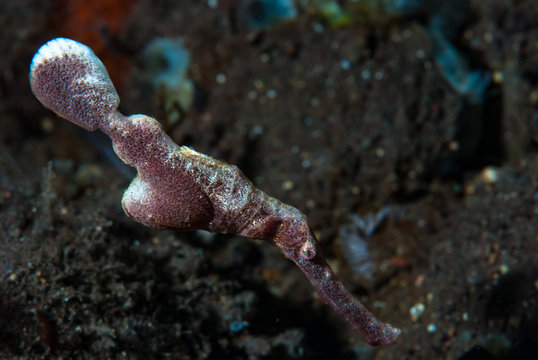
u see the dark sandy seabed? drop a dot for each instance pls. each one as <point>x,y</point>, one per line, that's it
<point>334,120</point>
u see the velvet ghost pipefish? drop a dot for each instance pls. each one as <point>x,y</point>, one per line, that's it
<point>178,188</point>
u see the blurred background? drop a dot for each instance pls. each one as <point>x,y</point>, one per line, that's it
<point>407,132</point>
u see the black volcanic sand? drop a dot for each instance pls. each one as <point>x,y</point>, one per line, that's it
<point>332,120</point>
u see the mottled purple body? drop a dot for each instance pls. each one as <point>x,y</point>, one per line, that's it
<point>181,189</point>
<point>71,81</point>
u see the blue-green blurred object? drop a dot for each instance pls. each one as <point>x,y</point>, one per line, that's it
<point>260,14</point>
<point>331,11</point>
<point>166,62</point>
<point>471,84</point>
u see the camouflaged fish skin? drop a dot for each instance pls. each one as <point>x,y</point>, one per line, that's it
<point>178,188</point>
